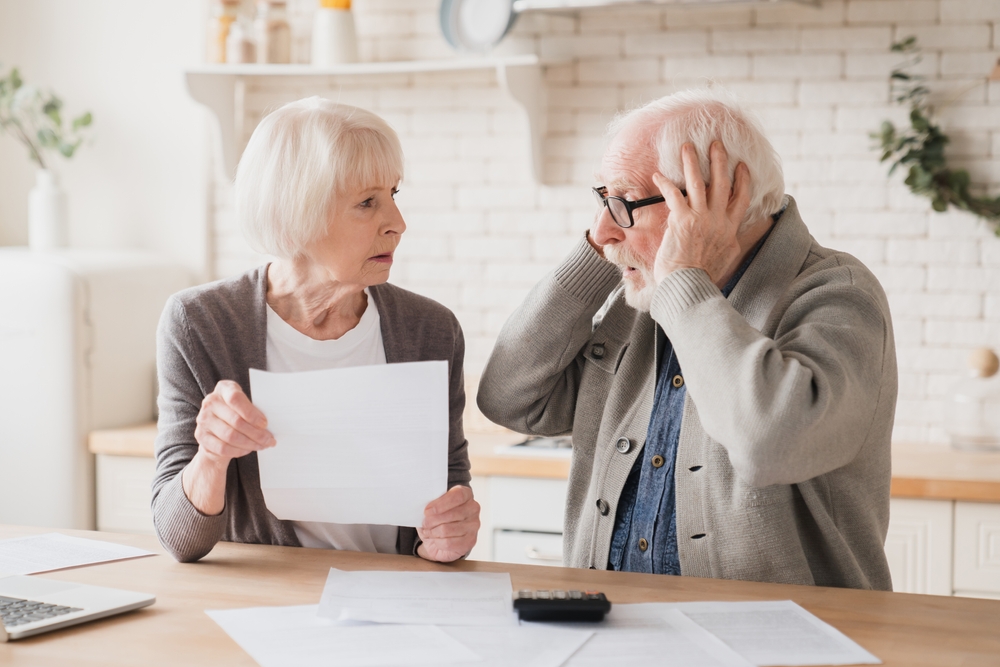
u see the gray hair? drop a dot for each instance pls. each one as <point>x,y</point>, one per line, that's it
<point>299,158</point>
<point>702,116</point>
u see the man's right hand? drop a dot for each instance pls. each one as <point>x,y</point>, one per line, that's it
<point>228,426</point>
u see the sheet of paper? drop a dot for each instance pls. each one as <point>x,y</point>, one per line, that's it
<point>777,633</point>
<point>55,551</point>
<point>667,639</point>
<point>425,598</point>
<point>282,636</point>
<point>367,444</point>
<point>535,645</point>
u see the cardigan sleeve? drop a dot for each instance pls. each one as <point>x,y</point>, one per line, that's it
<point>181,528</point>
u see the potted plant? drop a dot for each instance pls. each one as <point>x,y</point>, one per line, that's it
<point>34,118</point>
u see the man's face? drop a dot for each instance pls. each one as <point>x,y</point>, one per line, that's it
<point>626,170</point>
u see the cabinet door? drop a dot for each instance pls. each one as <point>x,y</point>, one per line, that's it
<point>918,545</point>
<point>521,503</point>
<point>977,547</point>
<point>124,493</point>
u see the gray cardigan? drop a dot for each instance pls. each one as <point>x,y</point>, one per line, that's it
<point>218,332</point>
<point>783,468</point>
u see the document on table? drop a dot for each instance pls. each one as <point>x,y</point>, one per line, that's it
<point>771,633</point>
<point>55,551</point>
<point>367,444</point>
<point>281,636</point>
<point>669,639</point>
<point>423,598</point>
<point>777,633</point>
<point>535,645</point>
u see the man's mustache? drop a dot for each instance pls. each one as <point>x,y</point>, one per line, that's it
<point>623,256</point>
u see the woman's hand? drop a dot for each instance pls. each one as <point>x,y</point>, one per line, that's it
<point>228,426</point>
<point>451,524</point>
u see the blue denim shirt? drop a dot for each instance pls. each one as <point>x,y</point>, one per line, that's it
<point>645,534</point>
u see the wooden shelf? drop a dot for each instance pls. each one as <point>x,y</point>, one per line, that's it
<point>220,88</point>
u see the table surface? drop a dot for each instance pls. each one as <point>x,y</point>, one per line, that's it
<point>900,628</point>
<point>918,470</point>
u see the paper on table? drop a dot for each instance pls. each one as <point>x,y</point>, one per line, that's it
<point>425,598</point>
<point>281,636</point>
<point>667,639</point>
<point>777,633</point>
<point>55,551</point>
<point>534,645</point>
<point>367,444</point>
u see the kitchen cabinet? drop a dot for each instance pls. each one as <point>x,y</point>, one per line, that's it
<point>919,545</point>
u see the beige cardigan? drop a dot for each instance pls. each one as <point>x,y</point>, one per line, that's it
<point>783,464</point>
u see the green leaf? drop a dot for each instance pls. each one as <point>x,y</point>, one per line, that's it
<point>939,205</point>
<point>68,149</point>
<point>47,138</point>
<point>82,121</point>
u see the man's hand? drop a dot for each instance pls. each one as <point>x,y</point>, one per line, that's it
<point>451,524</point>
<point>702,231</point>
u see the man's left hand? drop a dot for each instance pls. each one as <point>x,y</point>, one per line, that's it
<point>451,524</point>
<point>702,231</point>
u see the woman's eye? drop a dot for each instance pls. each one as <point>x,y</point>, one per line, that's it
<point>368,203</point>
<point>394,193</point>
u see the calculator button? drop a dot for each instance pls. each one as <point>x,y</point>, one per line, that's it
<point>575,595</point>
<point>543,595</point>
<point>559,595</point>
<point>524,594</point>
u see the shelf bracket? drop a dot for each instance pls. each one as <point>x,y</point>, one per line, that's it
<point>524,84</point>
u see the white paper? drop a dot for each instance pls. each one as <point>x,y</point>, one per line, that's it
<point>667,639</point>
<point>55,551</point>
<point>534,645</point>
<point>425,598</point>
<point>367,444</point>
<point>282,636</point>
<point>777,633</point>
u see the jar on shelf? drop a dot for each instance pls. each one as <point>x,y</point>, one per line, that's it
<point>224,15</point>
<point>334,41</point>
<point>273,33</point>
<point>240,47</point>
<point>972,414</point>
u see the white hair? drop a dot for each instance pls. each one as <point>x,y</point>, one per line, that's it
<point>702,116</point>
<point>299,158</point>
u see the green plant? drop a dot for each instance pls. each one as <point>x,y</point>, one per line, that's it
<point>34,117</point>
<point>920,148</point>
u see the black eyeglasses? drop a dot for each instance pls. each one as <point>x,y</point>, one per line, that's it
<point>621,208</point>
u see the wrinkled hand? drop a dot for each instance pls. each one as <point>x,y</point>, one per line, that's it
<point>451,524</point>
<point>230,426</point>
<point>702,231</point>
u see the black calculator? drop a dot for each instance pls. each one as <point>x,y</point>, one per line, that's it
<point>587,606</point>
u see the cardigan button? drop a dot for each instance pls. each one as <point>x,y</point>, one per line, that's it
<point>623,445</point>
<point>603,507</point>
<point>597,351</point>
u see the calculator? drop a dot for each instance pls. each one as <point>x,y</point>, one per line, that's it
<point>586,606</point>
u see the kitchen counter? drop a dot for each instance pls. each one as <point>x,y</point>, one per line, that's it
<point>918,470</point>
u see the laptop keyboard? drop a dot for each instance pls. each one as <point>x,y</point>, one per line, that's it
<point>14,611</point>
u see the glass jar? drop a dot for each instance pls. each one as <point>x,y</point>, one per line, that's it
<point>224,13</point>
<point>274,35</point>
<point>972,415</point>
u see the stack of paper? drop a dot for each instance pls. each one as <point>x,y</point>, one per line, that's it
<point>54,551</point>
<point>369,619</point>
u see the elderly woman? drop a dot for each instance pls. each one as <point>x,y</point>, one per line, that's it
<point>315,189</point>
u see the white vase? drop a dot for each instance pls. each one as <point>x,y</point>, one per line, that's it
<point>47,225</point>
<point>334,40</point>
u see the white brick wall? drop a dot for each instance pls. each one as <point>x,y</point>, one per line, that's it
<point>481,232</point>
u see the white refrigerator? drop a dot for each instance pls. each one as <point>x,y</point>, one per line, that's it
<point>77,353</point>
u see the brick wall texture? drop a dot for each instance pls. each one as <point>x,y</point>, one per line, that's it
<point>481,231</point>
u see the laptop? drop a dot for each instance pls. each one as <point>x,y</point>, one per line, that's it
<point>30,606</point>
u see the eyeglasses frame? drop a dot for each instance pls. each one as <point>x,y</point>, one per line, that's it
<point>601,192</point>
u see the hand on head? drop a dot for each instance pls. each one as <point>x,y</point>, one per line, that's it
<point>702,231</point>
<point>451,524</point>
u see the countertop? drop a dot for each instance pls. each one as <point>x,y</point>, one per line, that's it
<point>918,470</point>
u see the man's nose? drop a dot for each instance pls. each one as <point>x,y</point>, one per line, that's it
<point>606,230</point>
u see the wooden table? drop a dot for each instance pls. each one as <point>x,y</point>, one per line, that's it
<point>903,630</point>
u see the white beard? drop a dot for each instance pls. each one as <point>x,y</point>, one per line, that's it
<point>639,298</point>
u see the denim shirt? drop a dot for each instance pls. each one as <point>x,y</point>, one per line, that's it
<point>645,534</point>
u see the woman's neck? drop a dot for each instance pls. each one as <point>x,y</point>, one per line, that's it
<point>305,295</point>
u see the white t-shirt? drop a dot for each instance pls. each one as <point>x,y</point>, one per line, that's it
<point>289,350</point>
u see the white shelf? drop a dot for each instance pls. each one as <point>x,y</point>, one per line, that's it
<point>220,88</point>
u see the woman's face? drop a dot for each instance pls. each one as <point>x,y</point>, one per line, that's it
<point>364,229</point>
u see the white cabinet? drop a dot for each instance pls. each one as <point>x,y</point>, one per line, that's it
<point>977,548</point>
<point>528,548</point>
<point>522,519</point>
<point>124,493</point>
<point>918,545</point>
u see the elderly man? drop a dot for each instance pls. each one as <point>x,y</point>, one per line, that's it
<point>729,383</point>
